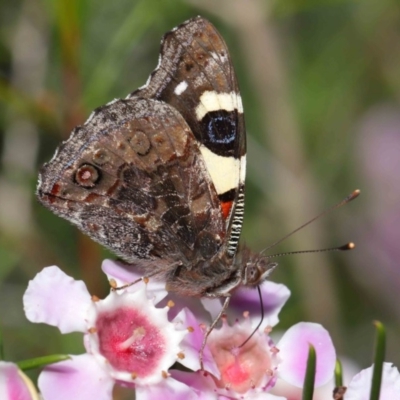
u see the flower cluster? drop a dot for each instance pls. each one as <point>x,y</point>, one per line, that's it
<point>146,339</point>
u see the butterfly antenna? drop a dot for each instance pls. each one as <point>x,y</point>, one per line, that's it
<point>346,200</point>
<point>347,246</point>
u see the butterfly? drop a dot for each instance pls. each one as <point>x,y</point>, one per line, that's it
<point>158,177</point>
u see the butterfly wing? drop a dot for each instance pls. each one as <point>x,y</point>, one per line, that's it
<point>133,179</point>
<point>159,177</point>
<point>195,75</point>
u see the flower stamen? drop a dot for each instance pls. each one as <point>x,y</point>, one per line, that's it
<point>137,335</point>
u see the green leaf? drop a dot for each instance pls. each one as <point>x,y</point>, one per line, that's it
<point>380,347</point>
<point>338,374</point>
<point>309,379</point>
<point>41,361</point>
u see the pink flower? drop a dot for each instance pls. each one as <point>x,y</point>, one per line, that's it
<point>360,386</point>
<point>252,370</point>
<point>128,340</point>
<point>245,370</point>
<point>14,384</point>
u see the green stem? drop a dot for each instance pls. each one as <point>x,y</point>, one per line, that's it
<point>338,373</point>
<point>309,379</point>
<point>41,361</point>
<point>380,347</point>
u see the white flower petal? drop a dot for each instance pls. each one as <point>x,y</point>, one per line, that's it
<point>79,379</point>
<point>293,351</point>
<point>266,396</point>
<point>254,396</point>
<point>119,271</point>
<point>360,386</point>
<point>55,298</point>
<point>213,306</point>
<point>167,389</point>
<point>201,383</point>
<point>124,274</point>
<point>274,297</point>
<point>324,392</point>
<point>14,384</point>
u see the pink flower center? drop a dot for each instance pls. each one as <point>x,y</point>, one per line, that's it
<point>242,368</point>
<point>130,341</point>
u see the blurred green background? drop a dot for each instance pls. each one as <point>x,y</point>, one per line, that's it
<point>320,83</point>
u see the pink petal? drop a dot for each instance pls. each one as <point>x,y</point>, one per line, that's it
<point>294,347</point>
<point>124,274</point>
<point>266,396</point>
<point>55,298</point>
<point>274,297</point>
<point>195,305</point>
<point>213,306</point>
<point>202,384</point>
<point>360,386</point>
<point>255,396</point>
<point>192,342</point>
<point>79,379</point>
<point>324,392</point>
<point>120,271</point>
<point>167,389</point>
<point>14,385</point>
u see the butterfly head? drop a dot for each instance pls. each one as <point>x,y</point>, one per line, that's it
<point>256,268</point>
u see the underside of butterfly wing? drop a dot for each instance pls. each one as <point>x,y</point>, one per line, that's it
<point>133,179</point>
<point>195,75</point>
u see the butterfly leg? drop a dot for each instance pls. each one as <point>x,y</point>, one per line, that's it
<point>145,279</point>
<point>212,326</point>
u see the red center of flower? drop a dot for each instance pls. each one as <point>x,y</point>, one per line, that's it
<point>234,373</point>
<point>129,341</point>
<point>242,368</point>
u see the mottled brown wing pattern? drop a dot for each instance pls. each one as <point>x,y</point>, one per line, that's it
<point>196,76</point>
<point>194,60</point>
<point>133,179</point>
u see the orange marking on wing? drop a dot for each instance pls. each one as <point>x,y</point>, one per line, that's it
<point>55,190</point>
<point>226,208</point>
<point>91,197</point>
